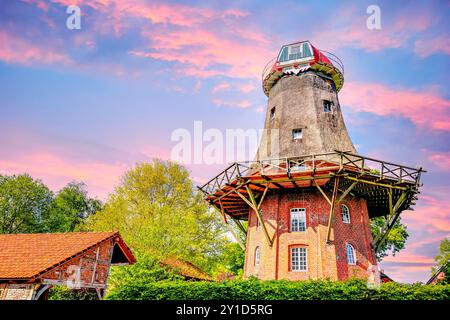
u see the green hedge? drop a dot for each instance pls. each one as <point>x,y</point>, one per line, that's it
<point>277,290</point>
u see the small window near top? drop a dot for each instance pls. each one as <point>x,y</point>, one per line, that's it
<point>297,134</point>
<point>257,256</point>
<point>351,255</point>
<point>345,214</point>
<point>298,219</point>
<point>272,113</point>
<point>326,106</point>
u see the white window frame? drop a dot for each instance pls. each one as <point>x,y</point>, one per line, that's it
<point>257,256</point>
<point>351,254</point>
<point>300,265</point>
<point>299,214</point>
<point>345,212</point>
<point>298,131</point>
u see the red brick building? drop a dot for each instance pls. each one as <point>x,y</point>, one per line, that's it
<point>31,263</point>
<point>308,197</point>
<point>322,260</point>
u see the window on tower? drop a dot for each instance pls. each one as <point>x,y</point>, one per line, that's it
<point>297,134</point>
<point>345,214</point>
<point>257,256</point>
<point>298,259</point>
<point>326,106</point>
<point>272,113</point>
<point>298,219</point>
<point>351,255</point>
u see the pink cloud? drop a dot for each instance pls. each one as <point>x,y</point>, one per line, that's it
<point>441,160</point>
<point>223,86</point>
<point>393,34</point>
<point>247,88</point>
<point>243,104</point>
<point>426,47</point>
<point>18,50</point>
<point>435,209</point>
<point>424,109</point>
<point>204,52</point>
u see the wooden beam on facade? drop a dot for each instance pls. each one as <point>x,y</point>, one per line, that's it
<point>322,192</point>
<point>333,202</point>
<point>254,206</point>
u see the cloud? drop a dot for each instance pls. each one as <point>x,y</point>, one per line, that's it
<point>18,50</point>
<point>396,32</point>
<point>441,160</point>
<point>203,52</point>
<point>426,47</point>
<point>424,109</point>
<point>222,86</point>
<point>243,104</point>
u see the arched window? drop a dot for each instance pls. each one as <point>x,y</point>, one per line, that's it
<point>351,254</point>
<point>345,214</point>
<point>257,256</point>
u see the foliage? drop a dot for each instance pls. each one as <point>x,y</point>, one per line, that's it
<point>277,290</point>
<point>443,260</point>
<point>146,269</point>
<point>158,212</point>
<point>232,259</point>
<point>28,206</point>
<point>395,240</point>
<point>23,202</point>
<point>70,208</point>
<point>64,293</point>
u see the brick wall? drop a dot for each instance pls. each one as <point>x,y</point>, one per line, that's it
<point>323,260</point>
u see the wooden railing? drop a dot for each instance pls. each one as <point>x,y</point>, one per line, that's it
<point>338,160</point>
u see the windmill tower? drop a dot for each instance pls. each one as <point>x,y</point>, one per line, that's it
<point>308,197</point>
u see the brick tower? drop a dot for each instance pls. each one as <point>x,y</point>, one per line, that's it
<point>308,197</point>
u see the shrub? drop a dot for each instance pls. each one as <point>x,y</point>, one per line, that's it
<point>276,290</point>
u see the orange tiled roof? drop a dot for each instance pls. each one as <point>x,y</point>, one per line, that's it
<point>187,269</point>
<point>23,256</point>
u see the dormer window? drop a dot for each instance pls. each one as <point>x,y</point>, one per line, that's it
<point>297,134</point>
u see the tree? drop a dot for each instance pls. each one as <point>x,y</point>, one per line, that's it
<point>158,212</point>
<point>69,209</point>
<point>395,240</point>
<point>233,259</point>
<point>23,202</point>
<point>443,261</point>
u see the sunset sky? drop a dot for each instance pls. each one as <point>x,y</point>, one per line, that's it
<point>87,104</point>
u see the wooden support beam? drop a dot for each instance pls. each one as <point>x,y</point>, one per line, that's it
<point>322,192</point>
<point>346,192</point>
<point>254,206</point>
<point>239,225</point>
<point>390,221</point>
<point>333,202</point>
<point>262,197</point>
<point>376,183</point>
<point>229,227</point>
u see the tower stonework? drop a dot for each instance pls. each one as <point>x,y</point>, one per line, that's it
<point>305,203</point>
<point>297,103</point>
